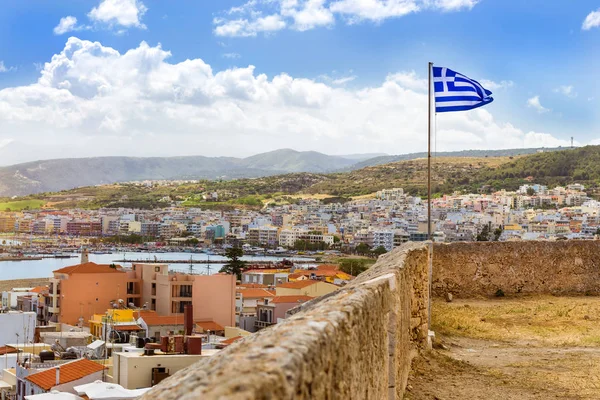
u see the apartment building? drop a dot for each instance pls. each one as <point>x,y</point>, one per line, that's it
<point>167,293</point>
<point>84,228</point>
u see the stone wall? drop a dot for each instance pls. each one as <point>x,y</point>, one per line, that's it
<point>540,267</point>
<point>356,343</point>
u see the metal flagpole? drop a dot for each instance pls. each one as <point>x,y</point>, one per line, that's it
<point>429,156</point>
<point>429,234</point>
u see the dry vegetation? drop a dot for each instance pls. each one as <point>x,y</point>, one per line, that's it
<point>542,321</point>
<point>512,348</point>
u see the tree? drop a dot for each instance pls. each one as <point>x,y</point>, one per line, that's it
<point>235,264</point>
<point>379,251</point>
<point>484,235</point>
<point>497,234</point>
<point>363,249</point>
<point>530,191</point>
<point>354,266</point>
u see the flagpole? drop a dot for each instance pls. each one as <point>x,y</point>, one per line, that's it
<point>429,235</point>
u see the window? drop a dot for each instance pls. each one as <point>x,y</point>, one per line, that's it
<point>185,291</point>
<point>156,269</point>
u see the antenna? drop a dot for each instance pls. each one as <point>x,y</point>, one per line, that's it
<point>571,141</point>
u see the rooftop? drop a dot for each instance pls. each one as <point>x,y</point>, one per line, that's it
<point>153,319</point>
<point>298,284</point>
<point>69,372</point>
<point>90,268</point>
<point>290,299</point>
<point>209,326</point>
<point>255,293</point>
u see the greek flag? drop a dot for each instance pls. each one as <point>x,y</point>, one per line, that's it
<point>456,92</point>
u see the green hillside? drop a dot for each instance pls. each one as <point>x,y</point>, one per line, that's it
<point>467,174</point>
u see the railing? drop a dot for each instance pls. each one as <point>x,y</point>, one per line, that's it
<point>262,324</point>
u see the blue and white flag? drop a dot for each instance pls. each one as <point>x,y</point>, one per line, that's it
<point>456,92</point>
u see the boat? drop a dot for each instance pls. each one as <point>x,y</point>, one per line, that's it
<point>61,255</point>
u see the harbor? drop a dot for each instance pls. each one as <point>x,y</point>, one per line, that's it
<point>36,266</point>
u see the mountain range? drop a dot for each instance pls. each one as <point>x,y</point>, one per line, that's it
<point>63,174</point>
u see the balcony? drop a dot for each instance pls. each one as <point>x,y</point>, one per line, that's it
<point>262,324</point>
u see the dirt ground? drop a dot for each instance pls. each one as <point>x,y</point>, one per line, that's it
<point>503,360</point>
<point>22,283</point>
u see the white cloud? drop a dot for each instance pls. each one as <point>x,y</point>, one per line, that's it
<point>343,80</point>
<point>246,28</point>
<point>66,24</point>
<point>534,103</point>
<point>99,101</point>
<point>312,14</point>
<point>337,79</point>
<point>409,80</point>
<point>452,5</point>
<point>591,21</point>
<point>231,55</point>
<point>126,13</point>
<point>243,8</point>
<point>491,85</point>
<point>567,90</point>
<point>5,142</point>
<point>4,68</point>
<point>302,15</point>
<point>374,10</point>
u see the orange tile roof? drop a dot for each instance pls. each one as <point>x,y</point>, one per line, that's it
<point>39,289</point>
<point>327,267</point>
<point>123,328</point>
<point>290,299</point>
<point>298,284</point>
<point>89,268</point>
<point>69,372</point>
<point>209,326</point>
<point>251,285</point>
<point>153,319</point>
<point>7,350</point>
<point>229,341</point>
<point>255,293</point>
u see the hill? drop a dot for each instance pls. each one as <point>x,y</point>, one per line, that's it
<point>469,174</point>
<point>255,192</point>
<point>295,161</point>
<point>61,174</point>
<point>380,160</point>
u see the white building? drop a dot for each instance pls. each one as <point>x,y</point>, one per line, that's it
<point>16,326</point>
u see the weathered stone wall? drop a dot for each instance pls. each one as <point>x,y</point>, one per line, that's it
<point>356,343</point>
<point>540,267</point>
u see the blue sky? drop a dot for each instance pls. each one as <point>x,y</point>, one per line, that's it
<point>341,76</point>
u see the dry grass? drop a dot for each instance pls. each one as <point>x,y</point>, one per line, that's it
<point>544,321</point>
<point>575,374</point>
<point>491,162</point>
